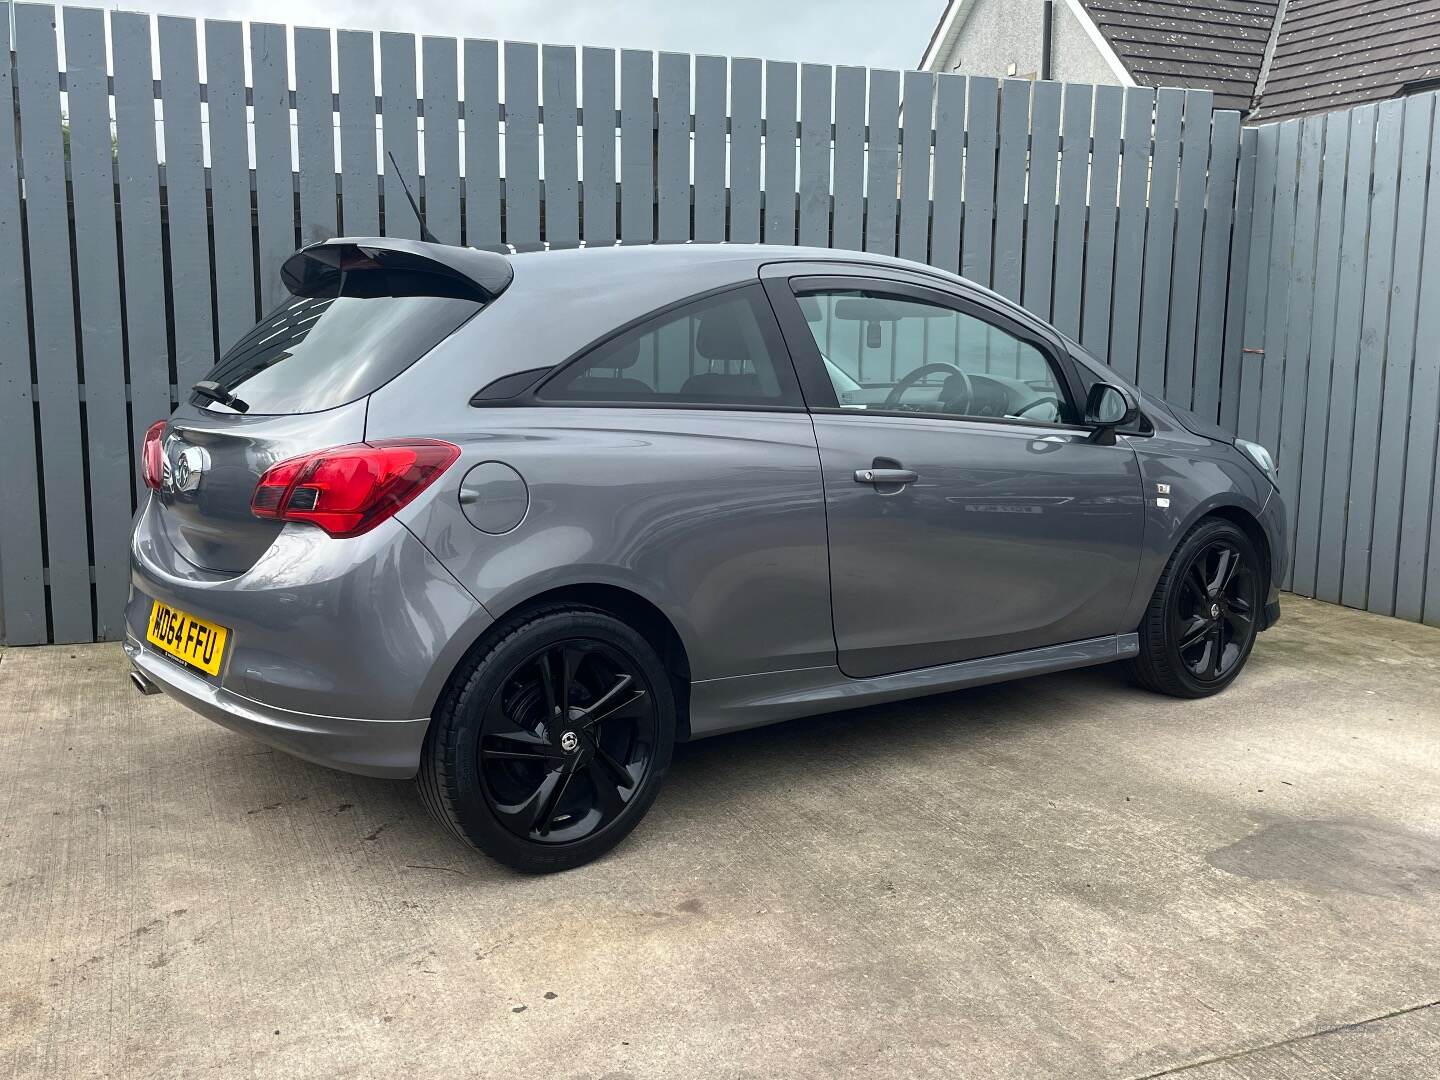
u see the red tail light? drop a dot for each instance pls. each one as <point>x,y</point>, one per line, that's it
<point>348,490</point>
<point>151,455</point>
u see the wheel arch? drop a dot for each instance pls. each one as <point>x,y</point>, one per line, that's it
<point>629,607</point>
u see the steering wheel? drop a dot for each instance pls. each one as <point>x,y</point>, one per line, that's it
<point>910,378</point>
<point>1036,404</point>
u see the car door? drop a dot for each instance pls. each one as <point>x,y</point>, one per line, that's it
<point>969,513</point>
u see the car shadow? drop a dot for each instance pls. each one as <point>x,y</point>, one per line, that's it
<point>708,776</point>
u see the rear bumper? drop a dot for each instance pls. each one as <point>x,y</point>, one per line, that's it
<point>337,649</point>
<point>388,748</point>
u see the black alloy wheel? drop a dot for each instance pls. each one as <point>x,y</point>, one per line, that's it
<point>567,741</point>
<point>1204,615</point>
<point>552,739</point>
<point>1213,611</point>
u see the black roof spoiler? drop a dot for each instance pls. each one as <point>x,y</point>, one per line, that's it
<point>318,269</point>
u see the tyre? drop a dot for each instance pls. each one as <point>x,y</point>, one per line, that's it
<point>550,745</point>
<point>1203,616</point>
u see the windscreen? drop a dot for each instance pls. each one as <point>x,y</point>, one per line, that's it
<point>313,353</point>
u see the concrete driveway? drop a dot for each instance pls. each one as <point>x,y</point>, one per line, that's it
<point>1065,877</point>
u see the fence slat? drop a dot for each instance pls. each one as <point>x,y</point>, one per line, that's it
<point>815,155</point>
<point>22,571</point>
<point>673,143</point>
<point>948,171</point>
<point>482,144</point>
<point>1217,207</point>
<point>850,158</point>
<point>1130,233</point>
<point>1185,268</point>
<point>440,89</point>
<point>522,144</point>
<point>562,190</point>
<point>745,151</point>
<point>1313,458</point>
<point>230,181</point>
<point>637,119</point>
<point>1296,350</point>
<point>780,103</point>
<point>1010,187</point>
<point>1279,297</point>
<point>274,178</point>
<point>1418,528</point>
<point>67,557</point>
<point>97,277</point>
<point>599,145</point>
<point>919,90</point>
<point>189,232</point>
<point>1100,240</point>
<point>1159,241</point>
<point>1349,305</point>
<point>1257,292</point>
<point>710,148</point>
<point>1379,279</point>
<point>143,260</point>
<point>314,135</point>
<point>1400,353</point>
<point>882,161</point>
<point>1070,229</point>
<point>399,137</point>
<point>360,193</point>
<point>1041,199</point>
<point>1238,285</point>
<point>979,223</point>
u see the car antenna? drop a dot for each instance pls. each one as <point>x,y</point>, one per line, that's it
<point>425,233</point>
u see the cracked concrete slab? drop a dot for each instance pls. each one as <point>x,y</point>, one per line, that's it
<point>1059,877</point>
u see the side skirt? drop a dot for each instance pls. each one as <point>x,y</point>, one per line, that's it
<point>746,701</point>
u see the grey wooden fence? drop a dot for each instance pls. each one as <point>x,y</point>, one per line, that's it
<point>1122,215</point>
<point>1341,368</point>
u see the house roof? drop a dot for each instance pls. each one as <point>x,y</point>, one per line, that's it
<point>1331,54</point>
<point>1215,44</point>
<point>1284,58</point>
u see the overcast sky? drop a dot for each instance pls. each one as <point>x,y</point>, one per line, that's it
<point>876,34</point>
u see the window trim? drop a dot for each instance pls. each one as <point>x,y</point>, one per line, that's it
<point>792,396</point>
<point>820,392</point>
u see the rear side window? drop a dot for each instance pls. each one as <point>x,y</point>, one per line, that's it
<point>720,350</point>
<point>316,352</point>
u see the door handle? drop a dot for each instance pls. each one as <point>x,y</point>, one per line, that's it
<point>881,477</point>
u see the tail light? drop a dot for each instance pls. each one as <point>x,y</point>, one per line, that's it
<point>152,456</point>
<point>348,490</point>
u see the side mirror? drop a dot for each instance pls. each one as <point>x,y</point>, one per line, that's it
<point>1109,407</point>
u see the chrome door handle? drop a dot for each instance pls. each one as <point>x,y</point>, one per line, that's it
<point>886,476</point>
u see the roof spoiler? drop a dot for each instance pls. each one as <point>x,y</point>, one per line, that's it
<point>387,266</point>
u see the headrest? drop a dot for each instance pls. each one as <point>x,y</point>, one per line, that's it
<point>621,356</point>
<point>719,336</point>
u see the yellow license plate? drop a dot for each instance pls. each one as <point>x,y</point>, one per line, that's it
<point>198,643</point>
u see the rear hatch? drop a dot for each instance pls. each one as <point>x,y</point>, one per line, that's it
<point>359,313</point>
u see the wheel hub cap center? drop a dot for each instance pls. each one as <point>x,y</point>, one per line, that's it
<point>569,742</point>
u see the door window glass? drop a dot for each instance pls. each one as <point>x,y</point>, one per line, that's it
<point>901,354</point>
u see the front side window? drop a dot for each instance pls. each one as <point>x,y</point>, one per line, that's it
<point>897,353</point>
<point>720,350</point>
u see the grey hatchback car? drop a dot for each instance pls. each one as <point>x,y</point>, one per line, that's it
<point>516,524</point>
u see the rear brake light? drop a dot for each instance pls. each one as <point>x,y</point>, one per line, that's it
<point>348,490</point>
<point>151,456</point>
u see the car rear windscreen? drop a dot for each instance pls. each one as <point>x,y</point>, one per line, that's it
<point>317,352</point>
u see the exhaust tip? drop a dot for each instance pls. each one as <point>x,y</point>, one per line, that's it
<point>141,683</point>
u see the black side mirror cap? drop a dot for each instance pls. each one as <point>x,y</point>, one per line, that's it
<point>1108,407</point>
